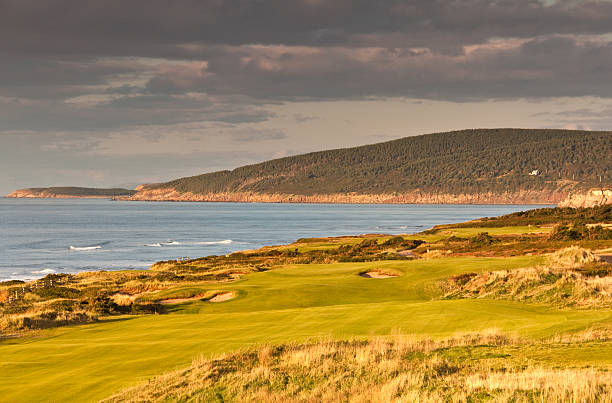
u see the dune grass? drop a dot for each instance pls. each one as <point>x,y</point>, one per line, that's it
<point>296,303</point>
<point>465,368</point>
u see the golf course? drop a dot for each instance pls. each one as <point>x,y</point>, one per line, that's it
<point>297,303</point>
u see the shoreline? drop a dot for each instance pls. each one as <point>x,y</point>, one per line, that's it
<point>394,203</point>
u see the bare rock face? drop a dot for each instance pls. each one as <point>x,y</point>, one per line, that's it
<point>416,197</point>
<point>590,198</point>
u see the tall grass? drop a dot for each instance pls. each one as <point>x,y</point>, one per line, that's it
<point>571,278</point>
<point>572,257</point>
<point>42,318</point>
<point>400,369</point>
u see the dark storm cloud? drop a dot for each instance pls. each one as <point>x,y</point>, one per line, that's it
<point>542,67</point>
<point>154,27</point>
<point>101,65</point>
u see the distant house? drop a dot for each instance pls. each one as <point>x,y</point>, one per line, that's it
<point>535,172</point>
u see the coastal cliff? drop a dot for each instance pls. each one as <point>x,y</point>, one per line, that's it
<point>521,197</point>
<point>590,198</point>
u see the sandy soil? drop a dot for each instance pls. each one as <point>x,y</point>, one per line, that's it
<point>180,300</point>
<point>224,296</point>
<point>377,274</point>
<point>407,253</point>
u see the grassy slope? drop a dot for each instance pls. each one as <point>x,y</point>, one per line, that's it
<point>292,304</point>
<point>464,368</point>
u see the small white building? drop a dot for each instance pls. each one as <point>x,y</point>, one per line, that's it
<point>535,172</point>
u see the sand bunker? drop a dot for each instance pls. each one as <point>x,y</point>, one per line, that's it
<point>219,297</point>
<point>224,296</point>
<point>181,300</point>
<point>378,274</point>
<point>407,253</point>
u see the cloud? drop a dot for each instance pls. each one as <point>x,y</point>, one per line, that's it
<point>550,66</point>
<point>257,135</point>
<point>83,76</point>
<point>91,66</point>
<point>156,27</point>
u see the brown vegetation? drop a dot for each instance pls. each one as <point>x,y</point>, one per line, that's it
<point>573,277</point>
<point>400,369</point>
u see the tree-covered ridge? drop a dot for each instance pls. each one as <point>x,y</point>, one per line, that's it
<point>81,191</point>
<point>466,161</point>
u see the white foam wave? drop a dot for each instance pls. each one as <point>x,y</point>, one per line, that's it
<point>224,242</point>
<point>176,243</point>
<point>44,271</point>
<point>80,248</point>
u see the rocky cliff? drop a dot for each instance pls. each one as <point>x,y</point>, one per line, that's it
<point>590,198</point>
<point>521,197</point>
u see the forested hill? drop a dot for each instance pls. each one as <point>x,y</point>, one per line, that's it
<point>71,191</point>
<point>466,162</point>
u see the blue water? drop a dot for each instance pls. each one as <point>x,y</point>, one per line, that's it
<point>40,236</point>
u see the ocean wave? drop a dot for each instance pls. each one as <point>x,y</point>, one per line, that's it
<point>43,271</point>
<point>81,248</point>
<point>176,243</point>
<point>224,242</point>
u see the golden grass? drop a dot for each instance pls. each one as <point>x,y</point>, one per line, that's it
<point>398,369</point>
<point>572,257</point>
<point>558,283</point>
<point>436,253</point>
<point>42,318</point>
<point>123,299</point>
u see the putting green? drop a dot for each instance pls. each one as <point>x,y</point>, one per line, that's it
<point>295,303</point>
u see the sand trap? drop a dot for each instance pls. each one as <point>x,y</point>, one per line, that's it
<point>181,300</point>
<point>378,274</point>
<point>407,253</point>
<point>606,258</point>
<point>224,296</point>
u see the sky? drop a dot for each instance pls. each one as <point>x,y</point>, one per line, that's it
<point>116,93</point>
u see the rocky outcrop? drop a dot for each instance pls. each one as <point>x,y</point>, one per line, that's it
<point>145,193</point>
<point>590,198</point>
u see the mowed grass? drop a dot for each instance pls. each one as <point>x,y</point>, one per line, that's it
<point>512,230</point>
<point>296,303</point>
<point>332,243</point>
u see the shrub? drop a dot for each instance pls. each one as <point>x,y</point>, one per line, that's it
<point>396,240</point>
<point>482,239</point>
<point>56,292</point>
<point>11,282</point>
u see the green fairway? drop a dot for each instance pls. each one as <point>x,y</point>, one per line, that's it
<point>295,303</point>
<point>513,230</point>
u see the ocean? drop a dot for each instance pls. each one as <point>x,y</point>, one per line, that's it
<point>41,236</point>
